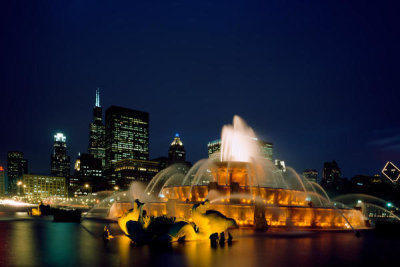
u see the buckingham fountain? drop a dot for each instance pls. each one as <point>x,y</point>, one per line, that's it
<point>241,184</point>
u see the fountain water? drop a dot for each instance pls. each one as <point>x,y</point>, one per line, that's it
<point>242,184</point>
<point>373,208</point>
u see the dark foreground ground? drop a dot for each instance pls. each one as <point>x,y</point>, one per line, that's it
<point>40,242</point>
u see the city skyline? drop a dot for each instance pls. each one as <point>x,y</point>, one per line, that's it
<point>73,157</point>
<point>319,87</point>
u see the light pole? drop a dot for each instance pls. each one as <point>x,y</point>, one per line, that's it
<point>19,183</point>
<point>87,186</point>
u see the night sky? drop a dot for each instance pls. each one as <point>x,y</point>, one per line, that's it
<point>319,79</point>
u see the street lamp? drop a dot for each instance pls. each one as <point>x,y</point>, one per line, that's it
<point>87,186</point>
<point>116,188</point>
<point>19,183</point>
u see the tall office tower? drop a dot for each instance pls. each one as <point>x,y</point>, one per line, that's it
<point>331,173</point>
<point>97,132</point>
<point>266,148</point>
<point>127,136</point>
<point>2,182</point>
<point>311,175</point>
<point>60,161</point>
<point>16,167</point>
<point>176,151</point>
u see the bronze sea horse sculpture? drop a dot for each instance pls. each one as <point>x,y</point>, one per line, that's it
<point>142,229</point>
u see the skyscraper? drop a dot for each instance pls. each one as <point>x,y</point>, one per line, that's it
<point>330,174</point>
<point>2,182</point>
<point>88,170</point>
<point>16,167</point>
<point>176,151</point>
<point>97,132</point>
<point>60,161</point>
<point>127,136</point>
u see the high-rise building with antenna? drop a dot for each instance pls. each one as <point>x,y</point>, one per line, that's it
<point>97,132</point>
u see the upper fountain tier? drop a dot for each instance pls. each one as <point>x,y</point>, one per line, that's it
<point>238,142</point>
<point>239,168</point>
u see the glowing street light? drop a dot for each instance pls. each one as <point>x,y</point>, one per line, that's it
<point>116,188</point>
<point>19,183</point>
<point>87,187</point>
<point>389,205</point>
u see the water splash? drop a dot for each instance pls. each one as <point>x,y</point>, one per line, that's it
<point>238,142</point>
<point>156,184</point>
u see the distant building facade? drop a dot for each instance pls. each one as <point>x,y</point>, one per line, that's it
<point>127,137</point>
<point>331,173</point>
<point>87,170</point>
<point>280,166</point>
<point>266,148</point>
<point>87,166</point>
<point>60,161</point>
<point>38,187</point>
<point>163,162</point>
<point>311,175</point>
<point>2,182</point>
<point>213,148</point>
<point>176,151</point>
<point>17,166</point>
<point>130,170</point>
<point>97,132</point>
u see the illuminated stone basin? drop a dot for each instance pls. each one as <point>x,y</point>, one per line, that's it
<point>281,216</point>
<point>235,182</point>
<point>233,191</point>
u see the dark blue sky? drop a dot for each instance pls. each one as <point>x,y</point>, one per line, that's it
<point>319,79</point>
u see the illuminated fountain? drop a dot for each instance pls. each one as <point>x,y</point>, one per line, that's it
<point>241,184</point>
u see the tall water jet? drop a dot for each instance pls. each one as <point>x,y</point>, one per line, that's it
<point>238,142</point>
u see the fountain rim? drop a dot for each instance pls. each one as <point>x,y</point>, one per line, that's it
<point>248,186</point>
<point>243,204</point>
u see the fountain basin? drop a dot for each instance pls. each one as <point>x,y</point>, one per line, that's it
<point>275,216</point>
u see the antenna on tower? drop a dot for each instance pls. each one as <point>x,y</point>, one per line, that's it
<point>97,97</point>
